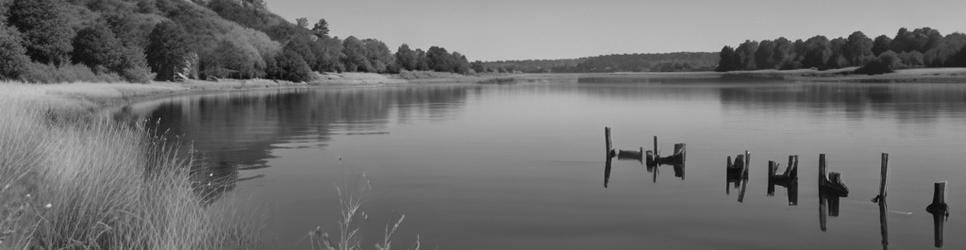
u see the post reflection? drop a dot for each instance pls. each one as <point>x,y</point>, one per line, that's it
<point>828,205</point>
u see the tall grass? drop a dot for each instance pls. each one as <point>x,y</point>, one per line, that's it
<point>91,183</point>
<point>350,221</point>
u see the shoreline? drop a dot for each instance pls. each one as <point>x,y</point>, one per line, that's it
<point>107,96</point>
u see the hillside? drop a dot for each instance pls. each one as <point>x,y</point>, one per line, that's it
<point>172,40</point>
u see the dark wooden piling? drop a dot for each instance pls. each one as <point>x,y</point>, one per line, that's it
<point>729,162</point>
<point>608,148</point>
<point>938,199</point>
<point>938,222</point>
<point>881,199</point>
<point>747,162</point>
<point>656,154</point>
<point>772,169</point>
<point>680,150</point>
<point>822,168</point>
<point>885,174</point>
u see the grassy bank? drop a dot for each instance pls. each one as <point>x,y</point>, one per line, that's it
<point>72,180</point>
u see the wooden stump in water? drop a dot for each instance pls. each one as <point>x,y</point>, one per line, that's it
<point>939,205</point>
<point>608,147</point>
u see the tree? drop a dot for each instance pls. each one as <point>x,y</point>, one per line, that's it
<point>168,50</point>
<point>881,44</point>
<point>329,55</point>
<point>729,60</point>
<point>837,58</point>
<point>45,30</point>
<point>765,55</point>
<point>98,48</point>
<point>784,52</point>
<point>817,52</point>
<point>13,56</point>
<point>378,55</point>
<point>355,55</point>
<point>302,22</point>
<point>478,66</point>
<point>460,64</point>
<point>229,60</point>
<point>291,67</point>
<point>422,62</point>
<point>439,59</point>
<point>858,49</point>
<point>321,29</point>
<point>407,58</point>
<point>887,62</point>
<point>746,55</point>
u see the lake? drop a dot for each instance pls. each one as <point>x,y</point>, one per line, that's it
<point>523,166</point>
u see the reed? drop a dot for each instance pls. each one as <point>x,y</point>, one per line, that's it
<point>351,219</point>
<point>79,181</point>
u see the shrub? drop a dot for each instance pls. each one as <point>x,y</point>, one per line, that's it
<point>291,67</point>
<point>47,73</point>
<point>887,62</point>
<point>13,56</point>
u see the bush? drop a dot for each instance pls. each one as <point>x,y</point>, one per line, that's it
<point>291,67</point>
<point>13,56</point>
<point>47,73</point>
<point>887,62</point>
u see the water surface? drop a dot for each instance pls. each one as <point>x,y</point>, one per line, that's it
<point>522,166</point>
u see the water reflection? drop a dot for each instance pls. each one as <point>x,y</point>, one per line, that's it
<point>828,205</point>
<point>938,222</point>
<point>236,132</point>
<point>906,102</point>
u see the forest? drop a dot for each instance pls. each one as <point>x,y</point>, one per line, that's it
<point>48,41</point>
<point>922,47</point>
<point>655,62</point>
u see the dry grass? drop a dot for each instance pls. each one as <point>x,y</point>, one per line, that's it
<point>351,217</point>
<point>77,182</point>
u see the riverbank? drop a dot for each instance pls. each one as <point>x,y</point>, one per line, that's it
<point>844,75</point>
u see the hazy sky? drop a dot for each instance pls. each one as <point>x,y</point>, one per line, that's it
<point>547,29</point>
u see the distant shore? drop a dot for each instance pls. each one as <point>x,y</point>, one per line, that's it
<point>94,95</point>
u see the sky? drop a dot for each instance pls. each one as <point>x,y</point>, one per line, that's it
<point>553,29</point>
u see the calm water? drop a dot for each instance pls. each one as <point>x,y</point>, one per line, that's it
<point>522,166</point>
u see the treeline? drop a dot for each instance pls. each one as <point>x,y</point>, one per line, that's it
<point>660,62</point>
<point>923,47</point>
<point>141,40</point>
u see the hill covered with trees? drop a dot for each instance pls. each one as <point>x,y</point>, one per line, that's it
<point>142,40</point>
<point>660,62</point>
<point>923,47</point>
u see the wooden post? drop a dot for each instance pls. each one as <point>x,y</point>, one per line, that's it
<point>794,171</point>
<point>681,149</point>
<point>882,181</point>
<point>744,172</point>
<point>938,221</point>
<point>729,162</point>
<point>771,169</point>
<point>938,205</point>
<point>821,170</point>
<point>656,154</point>
<point>607,143</point>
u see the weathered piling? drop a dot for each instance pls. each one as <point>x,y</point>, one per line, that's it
<point>881,199</point>
<point>608,148</point>
<point>680,149</point>
<point>772,169</point>
<point>884,172</point>
<point>822,168</point>
<point>656,154</point>
<point>938,222</point>
<point>747,164</point>
<point>939,205</point>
